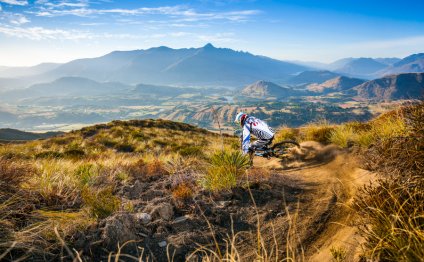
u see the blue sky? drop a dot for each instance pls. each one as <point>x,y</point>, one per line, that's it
<point>38,31</point>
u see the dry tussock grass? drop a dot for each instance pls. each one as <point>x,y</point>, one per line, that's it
<point>393,207</point>
<point>68,183</point>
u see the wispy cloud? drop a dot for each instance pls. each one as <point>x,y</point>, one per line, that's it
<point>14,2</point>
<point>180,13</point>
<point>41,33</point>
<point>13,18</point>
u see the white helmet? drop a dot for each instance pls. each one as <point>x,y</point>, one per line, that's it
<point>239,117</point>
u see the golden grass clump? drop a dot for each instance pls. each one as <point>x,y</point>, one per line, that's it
<point>342,135</point>
<point>286,133</point>
<point>319,132</point>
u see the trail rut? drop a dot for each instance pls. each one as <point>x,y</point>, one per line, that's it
<point>329,178</point>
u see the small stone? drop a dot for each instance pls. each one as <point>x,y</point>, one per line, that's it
<point>118,229</point>
<point>165,211</point>
<point>162,244</point>
<point>143,218</point>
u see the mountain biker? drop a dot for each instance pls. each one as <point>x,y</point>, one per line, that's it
<point>257,127</point>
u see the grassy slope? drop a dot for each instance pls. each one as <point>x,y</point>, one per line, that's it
<point>72,182</point>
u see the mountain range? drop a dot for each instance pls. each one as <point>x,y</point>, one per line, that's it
<point>400,86</point>
<point>205,66</point>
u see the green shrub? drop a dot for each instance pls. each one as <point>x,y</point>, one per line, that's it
<point>49,154</point>
<point>74,153</point>
<point>125,148</point>
<point>191,151</point>
<point>224,170</point>
<point>107,142</point>
<point>100,203</point>
<point>86,174</point>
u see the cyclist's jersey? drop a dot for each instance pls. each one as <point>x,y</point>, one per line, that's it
<point>258,128</point>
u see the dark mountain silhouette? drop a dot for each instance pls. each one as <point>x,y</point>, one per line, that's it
<point>336,84</point>
<point>309,77</point>
<point>264,89</point>
<point>194,66</point>
<point>401,86</point>
<point>410,64</point>
<point>9,134</point>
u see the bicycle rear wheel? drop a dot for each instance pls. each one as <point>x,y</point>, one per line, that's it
<point>280,149</point>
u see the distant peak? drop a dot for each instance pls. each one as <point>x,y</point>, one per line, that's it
<point>208,46</point>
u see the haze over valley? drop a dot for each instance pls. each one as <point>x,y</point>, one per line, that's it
<point>202,86</point>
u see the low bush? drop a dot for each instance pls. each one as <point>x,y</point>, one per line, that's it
<point>86,174</point>
<point>124,147</point>
<point>75,153</point>
<point>100,203</point>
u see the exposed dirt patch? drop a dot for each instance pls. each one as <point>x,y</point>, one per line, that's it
<point>160,223</point>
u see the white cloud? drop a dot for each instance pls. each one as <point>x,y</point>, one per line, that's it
<point>181,13</point>
<point>14,2</point>
<point>65,4</point>
<point>18,19</point>
<point>41,33</point>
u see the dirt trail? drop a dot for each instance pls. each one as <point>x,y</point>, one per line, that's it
<point>329,178</point>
